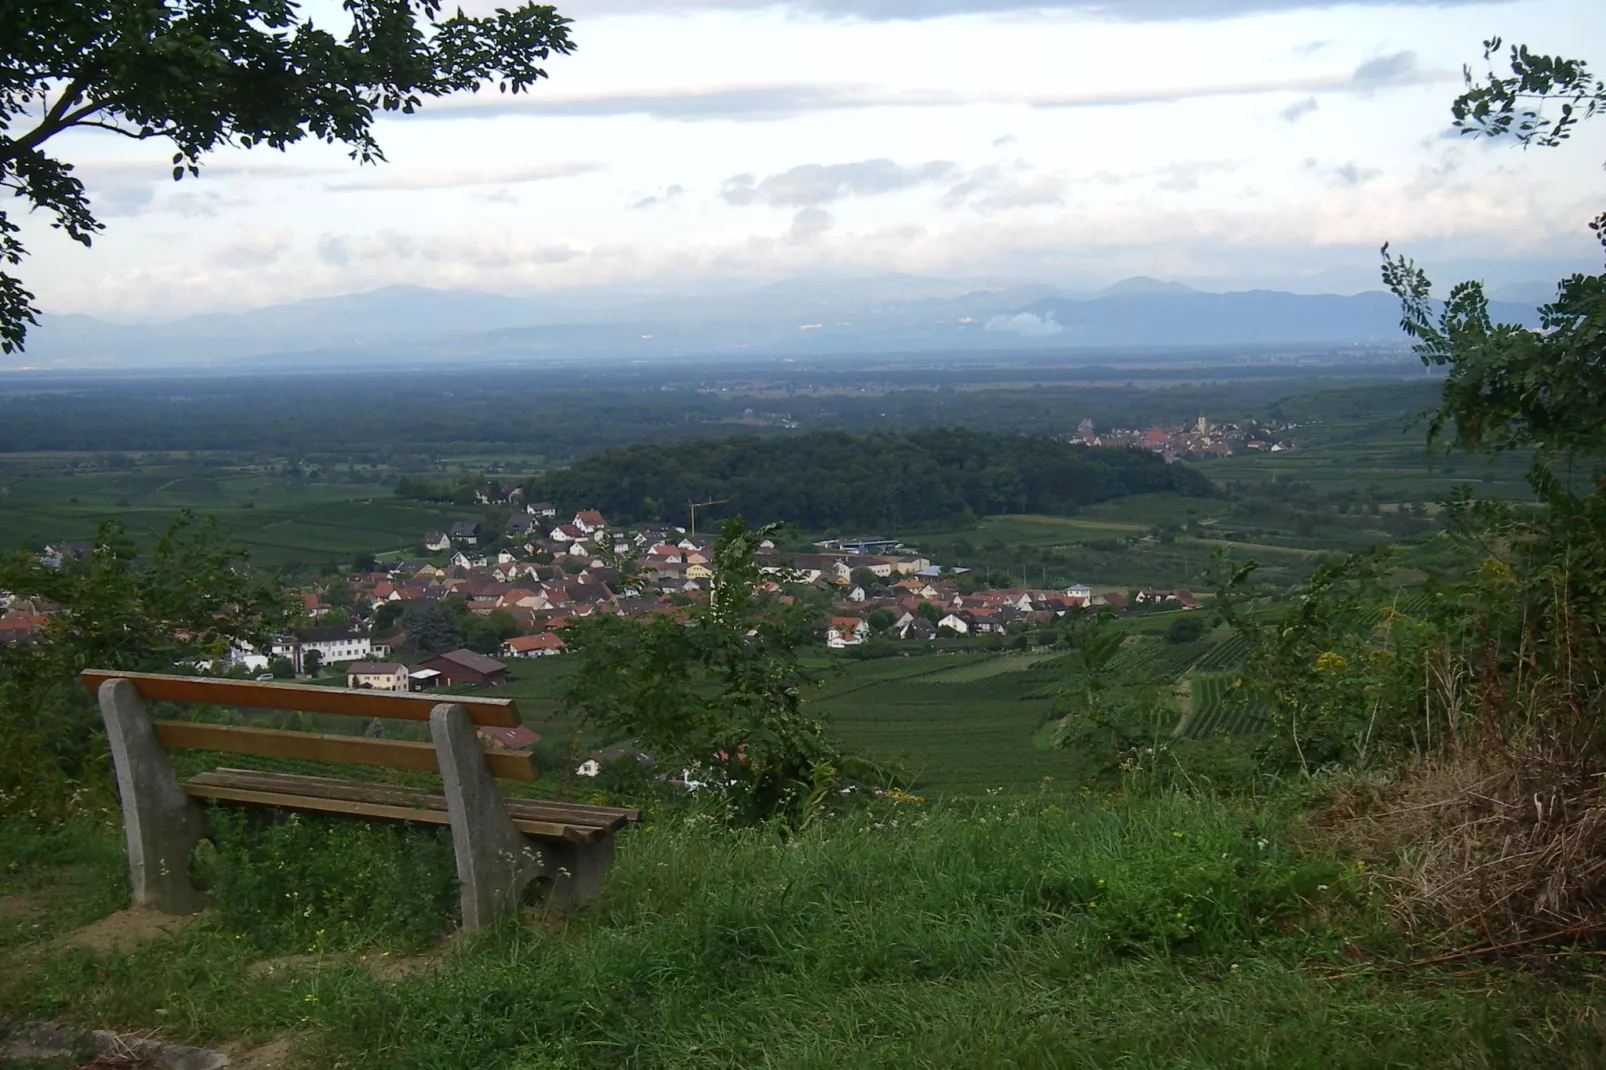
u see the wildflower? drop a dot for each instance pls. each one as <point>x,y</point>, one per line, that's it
<point>1330,660</point>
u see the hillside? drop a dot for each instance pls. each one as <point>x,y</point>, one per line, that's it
<point>827,479</point>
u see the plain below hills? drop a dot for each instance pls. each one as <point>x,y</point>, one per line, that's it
<point>892,314</point>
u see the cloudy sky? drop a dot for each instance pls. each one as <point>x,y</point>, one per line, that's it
<point>707,144</point>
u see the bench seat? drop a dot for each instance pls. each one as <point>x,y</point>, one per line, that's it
<point>501,845</point>
<point>293,791</point>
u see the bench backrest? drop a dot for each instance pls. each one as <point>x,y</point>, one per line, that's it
<point>355,750</point>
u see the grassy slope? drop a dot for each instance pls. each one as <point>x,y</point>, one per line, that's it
<point>913,936</point>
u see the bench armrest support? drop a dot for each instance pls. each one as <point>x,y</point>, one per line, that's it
<point>161,823</point>
<point>495,861</point>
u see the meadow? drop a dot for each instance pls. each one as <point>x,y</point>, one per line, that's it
<point>1049,931</point>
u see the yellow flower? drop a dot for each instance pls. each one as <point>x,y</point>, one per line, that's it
<point>1330,660</point>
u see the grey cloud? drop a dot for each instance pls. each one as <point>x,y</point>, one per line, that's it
<point>454,178</point>
<point>1298,110</point>
<point>813,183</point>
<point>669,193</point>
<point>994,188</point>
<point>1386,70</point>
<point>497,196</point>
<point>809,224</point>
<point>766,103</point>
<point>123,199</point>
<point>1007,139</point>
<point>341,250</point>
<point>251,251</point>
<point>1184,177</point>
<point>1350,175</point>
<point>743,102</point>
<point>1114,10</point>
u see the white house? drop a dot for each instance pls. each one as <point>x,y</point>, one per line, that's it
<point>378,675</point>
<point>846,631</point>
<point>437,541</point>
<point>332,645</point>
<point>959,624</point>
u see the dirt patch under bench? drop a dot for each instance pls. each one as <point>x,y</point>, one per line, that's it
<point>123,930</point>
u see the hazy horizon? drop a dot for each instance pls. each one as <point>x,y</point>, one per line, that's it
<point>715,146</point>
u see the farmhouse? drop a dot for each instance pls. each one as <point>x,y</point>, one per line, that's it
<point>464,666</point>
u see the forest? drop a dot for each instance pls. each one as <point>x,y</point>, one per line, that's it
<point>825,479</point>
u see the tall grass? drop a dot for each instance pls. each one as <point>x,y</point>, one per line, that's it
<point>1166,930</point>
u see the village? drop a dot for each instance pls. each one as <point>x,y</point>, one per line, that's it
<point>539,573</point>
<point>1200,439</point>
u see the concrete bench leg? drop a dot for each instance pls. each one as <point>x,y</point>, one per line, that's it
<point>494,860</point>
<point>161,823</point>
<point>576,870</point>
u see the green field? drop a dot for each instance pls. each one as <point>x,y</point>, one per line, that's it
<point>282,521</point>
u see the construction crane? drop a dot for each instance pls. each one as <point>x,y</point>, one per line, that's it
<point>694,506</point>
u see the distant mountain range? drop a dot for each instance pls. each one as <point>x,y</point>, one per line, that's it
<point>888,313</point>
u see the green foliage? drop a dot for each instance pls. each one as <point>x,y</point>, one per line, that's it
<point>827,479</point>
<point>386,616</point>
<point>1512,104</point>
<point>190,600</point>
<point>433,627</point>
<point>485,634</point>
<point>298,882</point>
<point>880,619</point>
<point>203,75</point>
<point>1185,629</point>
<point>718,691</point>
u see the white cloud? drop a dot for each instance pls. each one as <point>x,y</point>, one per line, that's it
<point>1024,324</point>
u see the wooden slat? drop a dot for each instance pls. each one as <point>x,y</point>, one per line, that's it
<point>352,702</point>
<point>603,817</point>
<point>319,747</point>
<point>401,804</point>
<point>321,805</point>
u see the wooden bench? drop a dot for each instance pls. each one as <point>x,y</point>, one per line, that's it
<point>500,845</point>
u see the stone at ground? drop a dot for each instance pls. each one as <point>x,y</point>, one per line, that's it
<point>49,1040</point>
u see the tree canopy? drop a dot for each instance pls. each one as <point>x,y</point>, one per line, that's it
<point>825,479</point>
<point>1509,387</point>
<point>202,74</point>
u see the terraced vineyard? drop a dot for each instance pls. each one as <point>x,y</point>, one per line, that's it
<point>1148,660</point>
<point>1219,708</point>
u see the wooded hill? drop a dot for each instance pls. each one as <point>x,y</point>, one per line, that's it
<point>827,479</point>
